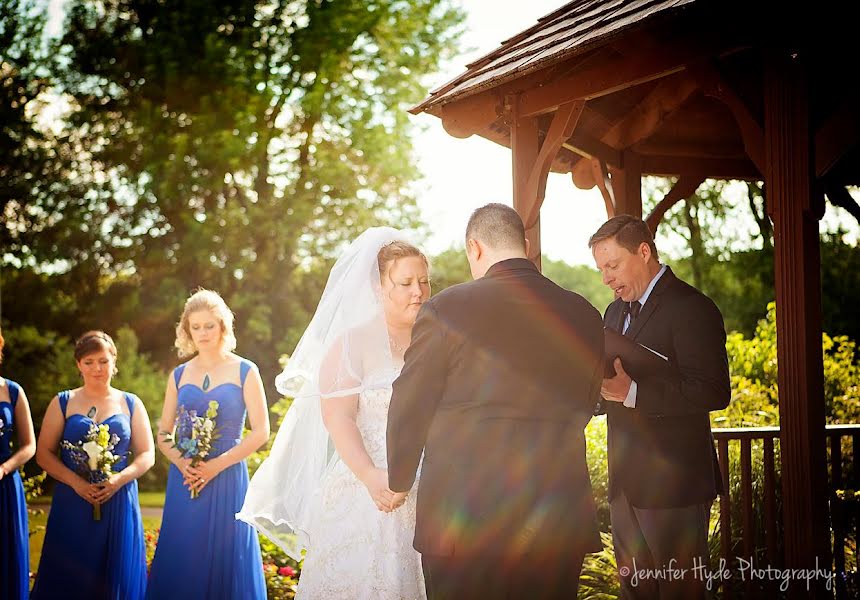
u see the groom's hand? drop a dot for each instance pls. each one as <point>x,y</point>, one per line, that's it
<point>616,388</point>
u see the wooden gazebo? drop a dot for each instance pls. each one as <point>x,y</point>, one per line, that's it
<point>610,90</point>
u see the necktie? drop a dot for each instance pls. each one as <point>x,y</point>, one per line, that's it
<point>633,310</point>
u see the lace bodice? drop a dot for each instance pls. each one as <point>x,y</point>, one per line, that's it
<point>372,418</point>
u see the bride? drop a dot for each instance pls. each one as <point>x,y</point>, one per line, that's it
<point>324,487</point>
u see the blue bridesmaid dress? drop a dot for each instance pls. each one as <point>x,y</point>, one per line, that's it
<point>87,559</point>
<point>203,552</point>
<point>14,535</point>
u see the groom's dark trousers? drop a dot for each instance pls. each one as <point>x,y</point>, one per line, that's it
<point>447,578</point>
<point>663,470</point>
<point>499,382</point>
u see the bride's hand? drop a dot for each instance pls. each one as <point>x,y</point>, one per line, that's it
<point>376,482</point>
<point>398,500</point>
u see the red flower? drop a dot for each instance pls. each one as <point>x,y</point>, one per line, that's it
<point>287,572</point>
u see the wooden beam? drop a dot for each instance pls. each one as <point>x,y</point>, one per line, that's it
<point>601,177</point>
<point>470,115</point>
<point>708,167</point>
<point>638,59</point>
<point>694,148</point>
<point>525,146</point>
<point>589,147</point>
<point>839,196</point>
<point>685,187</point>
<point>645,118</point>
<point>789,181</point>
<point>561,128</point>
<point>714,84</point>
<point>839,134</point>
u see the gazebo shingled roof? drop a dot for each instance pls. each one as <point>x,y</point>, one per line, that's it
<point>610,90</point>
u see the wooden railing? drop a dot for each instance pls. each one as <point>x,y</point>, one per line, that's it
<point>768,548</point>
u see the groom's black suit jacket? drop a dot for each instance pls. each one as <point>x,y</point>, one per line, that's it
<point>661,453</point>
<point>500,379</point>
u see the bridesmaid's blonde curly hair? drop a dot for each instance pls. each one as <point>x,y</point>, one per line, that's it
<point>200,300</point>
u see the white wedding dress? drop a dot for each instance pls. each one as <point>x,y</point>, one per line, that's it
<point>355,551</point>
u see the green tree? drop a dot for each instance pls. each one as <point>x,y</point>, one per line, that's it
<point>42,362</point>
<point>47,215</point>
<point>581,279</point>
<point>721,241</point>
<point>753,368</point>
<point>232,145</point>
<point>137,374</point>
<point>449,268</point>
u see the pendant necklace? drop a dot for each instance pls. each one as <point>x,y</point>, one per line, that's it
<point>207,381</point>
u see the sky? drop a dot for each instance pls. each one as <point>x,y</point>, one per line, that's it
<point>462,174</point>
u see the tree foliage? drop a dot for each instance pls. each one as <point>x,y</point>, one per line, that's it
<point>231,145</point>
<point>753,368</point>
<point>38,194</point>
<point>721,241</point>
<point>451,267</point>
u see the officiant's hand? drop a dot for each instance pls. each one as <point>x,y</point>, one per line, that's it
<point>616,388</point>
<point>376,482</point>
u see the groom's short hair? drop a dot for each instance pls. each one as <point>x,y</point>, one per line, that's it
<point>498,226</point>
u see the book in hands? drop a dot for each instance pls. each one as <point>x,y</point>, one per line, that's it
<point>638,360</point>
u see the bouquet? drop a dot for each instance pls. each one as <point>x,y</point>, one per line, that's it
<point>194,435</point>
<point>94,458</point>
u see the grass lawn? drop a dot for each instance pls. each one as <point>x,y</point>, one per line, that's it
<point>152,500</point>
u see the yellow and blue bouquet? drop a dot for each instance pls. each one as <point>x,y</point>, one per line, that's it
<point>94,457</point>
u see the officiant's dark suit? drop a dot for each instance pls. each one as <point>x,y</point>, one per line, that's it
<point>663,470</point>
<point>661,453</point>
<point>498,384</point>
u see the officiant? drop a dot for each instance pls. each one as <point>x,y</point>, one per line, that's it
<point>663,470</point>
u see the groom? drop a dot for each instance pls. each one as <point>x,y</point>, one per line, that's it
<point>500,379</point>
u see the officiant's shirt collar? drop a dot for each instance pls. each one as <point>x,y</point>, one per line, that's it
<point>651,285</point>
<point>511,264</point>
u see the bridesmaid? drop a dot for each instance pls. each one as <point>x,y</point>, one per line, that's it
<point>203,551</point>
<point>82,557</point>
<point>15,421</point>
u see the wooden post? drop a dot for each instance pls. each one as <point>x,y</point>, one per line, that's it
<point>627,186</point>
<point>525,147</point>
<point>789,168</point>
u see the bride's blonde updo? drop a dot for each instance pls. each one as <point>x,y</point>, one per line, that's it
<point>394,251</point>
<point>202,300</point>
